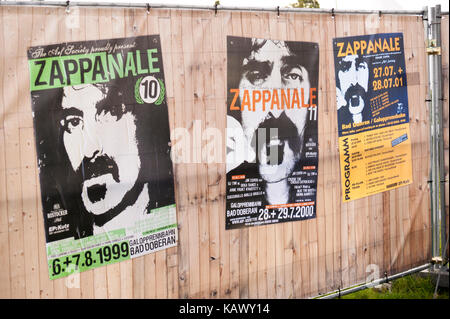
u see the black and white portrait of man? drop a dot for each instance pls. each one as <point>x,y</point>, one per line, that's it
<point>274,137</point>
<point>352,84</point>
<point>103,157</point>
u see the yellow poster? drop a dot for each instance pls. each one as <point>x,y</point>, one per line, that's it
<point>375,161</point>
<point>373,116</point>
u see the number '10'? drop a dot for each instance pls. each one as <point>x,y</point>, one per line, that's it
<point>151,89</point>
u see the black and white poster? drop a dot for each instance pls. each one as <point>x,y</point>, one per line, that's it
<point>103,151</point>
<point>272,141</point>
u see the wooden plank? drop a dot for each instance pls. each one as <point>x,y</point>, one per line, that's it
<point>229,22</point>
<point>328,154</point>
<point>200,78</point>
<point>165,32</point>
<point>250,29</point>
<point>29,206</point>
<point>150,276</point>
<point>213,193</point>
<point>351,206</point>
<point>342,220</point>
<point>394,228</point>
<point>300,229</point>
<point>316,224</point>
<point>323,211</point>
<point>374,237</point>
<point>398,198</point>
<point>46,286</point>
<point>294,34</point>
<point>180,173</point>
<point>335,164</point>
<point>238,238</point>
<point>239,245</point>
<point>286,32</point>
<point>362,205</point>
<point>24,100</point>
<point>193,125</point>
<point>218,55</point>
<point>5,283</point>
<point>336,196</point>
<point>190,218</point>
<point>161,278</point>
<point>415,151</point>
<point>217,179</point>
<point>293,240</point>
<point>385,25</point>
<point>268,20</point>
<point>393,264</point>
<point>421,207</point>
<point>172,273</point>
<point>12,160</point>
<point>274,233</point>
<point>407,26</point>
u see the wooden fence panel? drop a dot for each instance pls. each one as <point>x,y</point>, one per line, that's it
<point>389,232</point>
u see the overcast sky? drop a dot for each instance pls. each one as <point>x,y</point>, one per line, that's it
<point>328,4</point>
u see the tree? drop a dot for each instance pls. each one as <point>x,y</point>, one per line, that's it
<point>306,4</point>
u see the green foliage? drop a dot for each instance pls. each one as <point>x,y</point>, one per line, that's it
<point>306,4</point>
<point>409,287</point>
<point>217,3</point>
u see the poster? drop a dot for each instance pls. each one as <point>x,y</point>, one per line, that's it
<point>372,113</point>
<point>103,151</point>
<point>272,144</point>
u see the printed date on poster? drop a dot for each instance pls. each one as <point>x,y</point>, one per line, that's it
<point>92,258</point>
<point>299,212</point>
<point>386,78</point>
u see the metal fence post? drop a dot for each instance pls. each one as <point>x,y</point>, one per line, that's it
<point>440,100</point>
<point>437,174</point>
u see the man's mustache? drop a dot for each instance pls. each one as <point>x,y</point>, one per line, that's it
<point>98,166</point>
<point>353,90</point>
<point>286,132</point>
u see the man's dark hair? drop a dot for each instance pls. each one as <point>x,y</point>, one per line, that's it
<point>59,182</point>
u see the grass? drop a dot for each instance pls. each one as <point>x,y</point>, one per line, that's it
<point>408,287</point>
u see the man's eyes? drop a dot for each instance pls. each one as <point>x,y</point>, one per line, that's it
<point>254,76</point>
<point>71,122</point>
<point>294,74</point>
<point>361,65</point>
<point>345,66</point>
